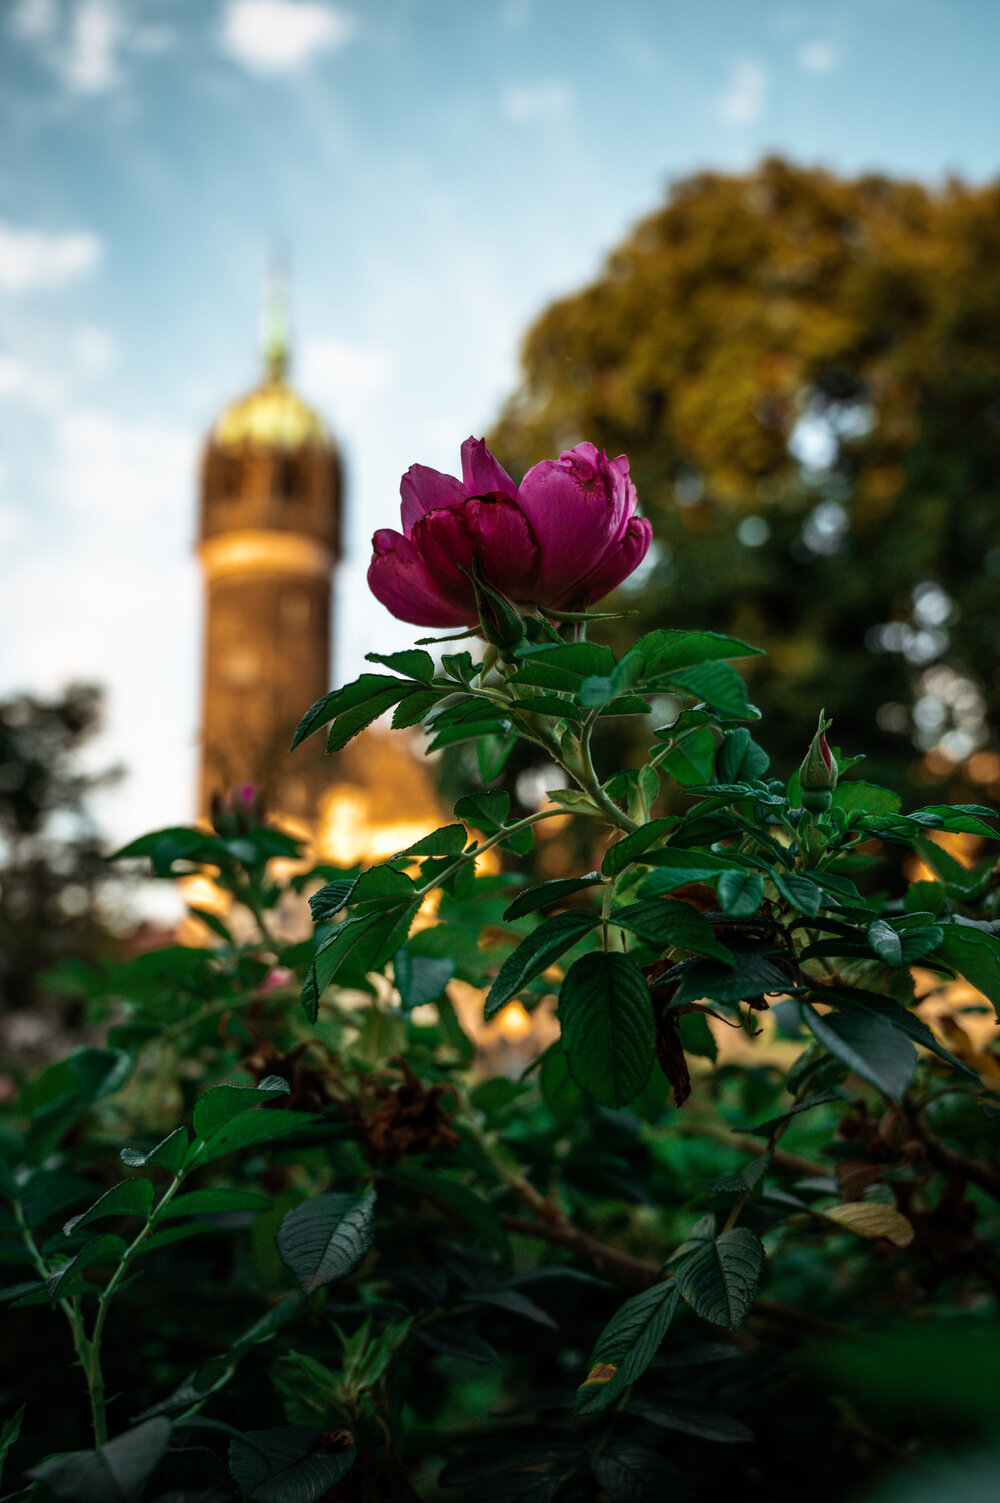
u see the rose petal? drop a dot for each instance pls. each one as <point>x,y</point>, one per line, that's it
<point>481,473</point>
<point>617,564</point>
<point>578,507</point>
<point>422,489</point>
<point>504,544</point>
<point>399,578</point>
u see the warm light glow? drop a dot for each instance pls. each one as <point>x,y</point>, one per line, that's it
<point>514,1022</point>
<point>962,847</point>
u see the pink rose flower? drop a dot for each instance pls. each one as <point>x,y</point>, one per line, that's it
<point>561,540</point>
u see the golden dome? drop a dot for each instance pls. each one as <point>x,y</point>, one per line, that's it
<point>272,416</point>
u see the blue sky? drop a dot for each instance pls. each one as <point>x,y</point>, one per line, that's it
<point>436,171</point>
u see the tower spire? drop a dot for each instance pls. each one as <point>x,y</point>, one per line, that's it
<point>276,321</point>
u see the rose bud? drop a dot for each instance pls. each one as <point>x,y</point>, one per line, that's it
<point>818,773</point>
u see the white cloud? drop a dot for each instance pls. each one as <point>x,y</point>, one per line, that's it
<point>23,382</point>
<point>278,36</point>
<point>94,350</point>
<point>818,56</point>
<point>11,525</point>
<point>33,20</point>
<point>32,259</point>
<point>343,378</point>
<point>742,103</point>
<point>89,60</point>
<point>528,104</point>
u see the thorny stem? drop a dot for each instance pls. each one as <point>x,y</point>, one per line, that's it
<point>92,1365</point>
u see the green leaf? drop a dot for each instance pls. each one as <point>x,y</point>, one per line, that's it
<point>691,758</point>
<point>798,892</point>
<point>868,1045</point>
<point>133,1197</point>
<point>466,1202</point>
<point>608,1031</point>
<point>218,1201</point>
<point>493,752</point>
<point>663,651</point>
<point>885,942</point>
<point>966,818</point>
<point>553,937</point>
<point>575,801</point>
<point>115,1473</point>
<point>665,921</point>
<point>330,956</point>
<point>866,797</point>
<point>718,684</point>
<point>247,1130</point>
<point>718,1275</point>
<point>744,1180</point>
<point>331,898</point>
<point>740,759</point>
<point>751,975</point>
<point>68,1277</point>
<point>354,696</point>
<point>449,840</point>
<point>676,868</point>
<point>692,1419</point>
<point>584,658</point>
<point>976,956</point>
<point>740,893</point>
<point>415,707</point>
<point>548,704</point>
<point>626,1347</point>
<point>413,662</point>
<point>483,811</point>
<point>632,846</point>
<point>547,893</point>
<point>629,1473</point>
<point>420,978</point>
<point>327,1238</point>
<point>220,1104</point>
<point>290,1464</point>
<point>9,1435</point>
<point>168,1154</point>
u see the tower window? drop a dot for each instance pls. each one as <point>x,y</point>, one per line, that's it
<point>287,480</point>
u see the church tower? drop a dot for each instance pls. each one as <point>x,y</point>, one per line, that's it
<point>269,539</point>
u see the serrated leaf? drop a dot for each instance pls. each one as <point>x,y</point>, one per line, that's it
<point>691,759</point>
<point>248,1130</point>
<point>412,661</point>
<point>885,942</point>
<point>115,1473</point>
<point>350,697</point>
<point>449,840</point>
<point>717,684</point>
<point>553,937</point>
<point>168,1154</point>
<point>327,1238</point>
<point>976,956</point>
<point>868,797</point>
<point>133,1197</point>
<point>626,1347</point>
<point>666,921</point>
<point>740,759</point>
<point>740,893</point>
<point>608,1031</point>
<point>290,1464</point>
<point>750,975</point>
<point>799,892</point>
<point>630,1473</point>
<point>692,1419</point>
<point>718,1275</point>
<point>546,893</point>
<point>68,1277</point>
<point>331,955</point>
<point>331,898</point>
<point>868,1045</point>
<point>632,846</point>
<point>420,978</point>
<point>664,650</point>
<point>483,811</point>
<point>220,1104</point>
<point>218,1201</point>
<point>574,801</point>
<point>867,1219</point>
<point>456,1341</point>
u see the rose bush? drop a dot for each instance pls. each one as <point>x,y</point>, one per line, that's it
<point>561,540</point>
<point>305,1246</point>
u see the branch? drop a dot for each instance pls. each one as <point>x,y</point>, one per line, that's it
<point>950,1162</point>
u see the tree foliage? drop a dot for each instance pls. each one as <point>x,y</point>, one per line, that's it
<point>804,371</point>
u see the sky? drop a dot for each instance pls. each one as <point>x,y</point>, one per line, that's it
<point>434,172</point>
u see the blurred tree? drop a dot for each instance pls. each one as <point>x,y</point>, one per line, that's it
<point>804,371</point>
<point>52,870</point>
